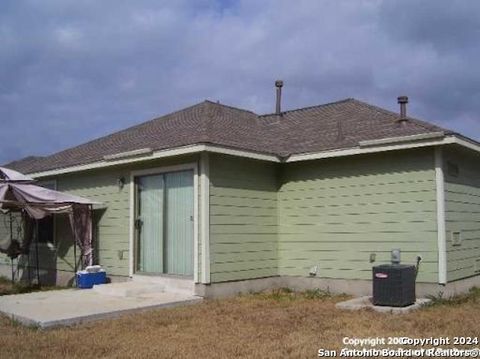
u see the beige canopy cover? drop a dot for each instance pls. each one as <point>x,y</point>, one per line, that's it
<point>19,193</point>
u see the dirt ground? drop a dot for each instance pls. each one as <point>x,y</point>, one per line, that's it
<point>279,324</point>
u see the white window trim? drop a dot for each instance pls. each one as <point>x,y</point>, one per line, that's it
<point>159,170</point>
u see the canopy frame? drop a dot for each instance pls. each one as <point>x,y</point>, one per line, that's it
<point>18,193</point>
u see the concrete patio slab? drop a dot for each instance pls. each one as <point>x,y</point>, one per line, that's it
<point>74,306</point>
<point>366,302</point>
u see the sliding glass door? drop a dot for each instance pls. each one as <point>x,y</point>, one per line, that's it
<point>164,223</point>
<point>149,223</point>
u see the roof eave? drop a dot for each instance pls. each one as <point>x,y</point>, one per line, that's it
<point>383,145</point>
<point>172,152</point>
<point>395,144</point>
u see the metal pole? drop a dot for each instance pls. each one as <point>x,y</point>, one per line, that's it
<point>92,236</point>
<point>29,270</point>
<point>27,224</point>
<point>11,241</point>
<point>13,272</point>
<point>74,249</point>
<point>36,252</point>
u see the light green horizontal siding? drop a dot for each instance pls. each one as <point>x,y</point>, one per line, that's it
<point>243,218</point>
<point>268,219</point>
<point>462,206</point>
<point>112,229</point>
<point>112,222</point>
<point>334,213</point>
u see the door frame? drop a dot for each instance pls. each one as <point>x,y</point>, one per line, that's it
<point>160,170</point>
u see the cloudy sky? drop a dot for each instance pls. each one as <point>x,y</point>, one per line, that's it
<point>74,70</point>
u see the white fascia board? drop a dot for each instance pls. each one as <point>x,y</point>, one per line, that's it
<point>240,153</point>
<point>468,144</point>
<point>105,164</point>
<point>371,148</point>
<point>156,155</point>
<point>128,154</point>
<point>359,151</point>
<point>402,139</point>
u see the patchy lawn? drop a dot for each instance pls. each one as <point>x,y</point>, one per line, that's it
<point>7,287</point>
<point>279,324</point>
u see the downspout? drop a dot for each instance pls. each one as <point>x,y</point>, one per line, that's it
<point>441,227</point>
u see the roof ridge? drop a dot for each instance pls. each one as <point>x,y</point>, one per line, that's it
<point>230,106</point>
<point>159,117</point>
<point>309,107</point>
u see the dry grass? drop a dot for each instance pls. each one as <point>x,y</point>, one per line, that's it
<point>280,324</point>
<point>7,287</point>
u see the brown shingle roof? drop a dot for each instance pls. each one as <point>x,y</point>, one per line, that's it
<point>341,124</point>
<point>337,125</point>
<point>24,163</point>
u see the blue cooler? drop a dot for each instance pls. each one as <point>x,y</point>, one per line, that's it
<point>88,280</point>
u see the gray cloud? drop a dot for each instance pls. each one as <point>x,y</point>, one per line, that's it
<point>71,71</point>
<point>445,25</point>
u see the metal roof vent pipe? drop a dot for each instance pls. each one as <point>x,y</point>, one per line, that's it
<point>278,107</point>
<point>403,100</point>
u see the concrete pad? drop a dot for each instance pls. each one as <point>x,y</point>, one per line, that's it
<point>74,306</point>
<point>169,283</point>
<point>366,302</point>
<point>129,289</point>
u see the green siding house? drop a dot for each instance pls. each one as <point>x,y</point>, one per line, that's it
<point>224,200</point>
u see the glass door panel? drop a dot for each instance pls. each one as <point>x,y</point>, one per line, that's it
<point>149,223</point>
<point>179,223</point>
<point>164,223</point>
